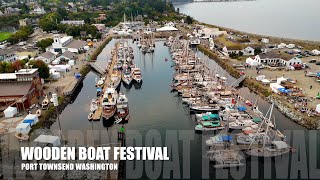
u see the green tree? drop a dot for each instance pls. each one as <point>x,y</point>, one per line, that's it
<point>189,20</point>
<point>49,22</point>
<point>62,12</point>
<point>44,43</point>
<point>42,68</point>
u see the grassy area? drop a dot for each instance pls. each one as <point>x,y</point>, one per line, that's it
<point>227,42</point>
<point>4,35</point>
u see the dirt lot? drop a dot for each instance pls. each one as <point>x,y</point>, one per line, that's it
<point>299,75</point>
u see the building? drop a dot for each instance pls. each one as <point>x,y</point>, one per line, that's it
<point>8,55</point>
<point>210,32</point>
<point>47,57</point>
<point>278,59</point>
<point>20,89</point>
<point>67,43</point>
<point>248,51</point>
<point>101,27</point>
<point>66,56</point>
<point>38,10</point>
<point>73,22</point>
<point>265,40</point>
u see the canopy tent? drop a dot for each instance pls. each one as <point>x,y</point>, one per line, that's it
<point>77,75</point>
<point>318,108</point>
<point>23,128</point>
<point>99,89</point>
<point>48,139</point>
<point>318,74</point>
<point>275,87</point>
<point>280,79</point>
<point>265,81</point>
<point>167,28</point>
<point>260,78</point>
<point>10,111</point>
<point>284,90</point>
<point>226,138</point>
<point>32,119</point>
<point>242,108</point>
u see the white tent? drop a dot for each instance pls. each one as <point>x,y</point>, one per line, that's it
<point>318,108</point>
<point>32,119</point>
<point>260,78</point>
<point>265,81</point>
<point>23,128</point>
<point>275,87</point>
<point>47,139</point>
<point>280,79</point>
<point>55,75</point>
<point>71,62</point>
<point>252,62</point>
<point>56,61</point>
<point>167,28</point>
<point>10,111</point>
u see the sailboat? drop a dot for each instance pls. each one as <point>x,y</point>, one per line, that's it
<point>275,148</point>
<point>109,103</point>
<point>122,107</point>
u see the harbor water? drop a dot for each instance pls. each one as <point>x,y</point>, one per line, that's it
<point>295,19</point>
<point>153,106</point>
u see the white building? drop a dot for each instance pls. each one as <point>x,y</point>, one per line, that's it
<point>47,57</point>
<point>67,43</point>
<point>248,51</point>
<point>294,61</point>
<point>278,59</point>
<point>315,52</point>
<point>73,22</point>
<point>8,55</point>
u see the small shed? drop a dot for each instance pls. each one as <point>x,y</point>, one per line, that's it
<point>23,128</point>
<point>10,111</point>
<point>48,139</point>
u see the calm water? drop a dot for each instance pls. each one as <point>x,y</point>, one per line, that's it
<point>153,106</point>
<point>297,19</point>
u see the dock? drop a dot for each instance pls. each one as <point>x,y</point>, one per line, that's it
<point>98,113</point>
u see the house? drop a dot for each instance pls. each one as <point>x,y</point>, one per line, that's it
<point>248,51</point>
<point>294,61</point>
<point>38,10</point>
<point>210,32</point>
<point>73,22</point>
<point>20,89</point>
<point>24,22</point>
<point>66,43</point>
<point>8,55</point>
<point>47,57</point>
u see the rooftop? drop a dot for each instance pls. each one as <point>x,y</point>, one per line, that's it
<point>47,55</point>
<point>27,71</point>
<point>14,88</point>
<point>76,44</point>
<point>275,54</point>
<point>4,76</point>
<point>6,51</point>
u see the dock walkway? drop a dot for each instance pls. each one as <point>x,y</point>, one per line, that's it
<point>97,114</point>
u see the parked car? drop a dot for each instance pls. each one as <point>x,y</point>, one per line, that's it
<point>312,61</point>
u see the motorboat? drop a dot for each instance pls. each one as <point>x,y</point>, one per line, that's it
<point>275,148</point>
<point>207,117</point>
<point>225,158</point>
<point>115,79</point>
<point>90,116</point>
<point>219,140</point>
<point>205,108</point>
<point>45,103</point>
<point>240,124</point>
<point>209,126</point>
<point>109,103</point>
<point>126,76</point>
<point>93,105</point>
<point>122,107</point>
<point>136,74</point>
<point>38,112</point>
<point>253,138</point>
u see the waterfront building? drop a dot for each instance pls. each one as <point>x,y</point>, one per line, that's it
<point>8,55</point>
<point>73,22</point>
<point>66,43</point>
<point>20,89</point>
<point>278,59</point>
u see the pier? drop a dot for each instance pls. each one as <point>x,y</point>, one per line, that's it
<point>97,68</point>
<point>98,113</point>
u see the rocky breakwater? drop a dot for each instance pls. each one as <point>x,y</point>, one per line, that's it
<point>294,115</point>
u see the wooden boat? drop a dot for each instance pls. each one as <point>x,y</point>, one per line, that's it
<point>225,158</point>
<point>209,126</point>
<point>126,76</point>
<point>115,79</point>
<point>45,103</point>
<point>22,137</point>
<point>122,107</point>
<point>90,115</point>
<point>109,103</point>
<point>136,74</point>
<point>38,112</point>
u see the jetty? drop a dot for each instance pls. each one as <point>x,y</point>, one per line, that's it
<point>97,68</point>
<point>98,113</point>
